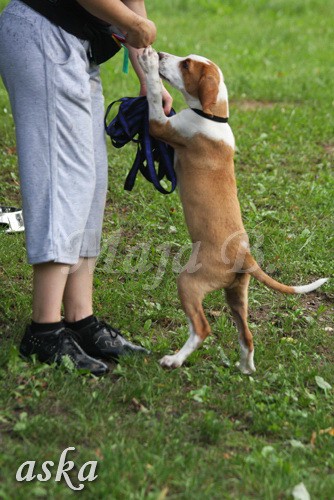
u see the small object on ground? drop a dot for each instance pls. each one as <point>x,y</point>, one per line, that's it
<point>300,492</point>
<point>12,218</point>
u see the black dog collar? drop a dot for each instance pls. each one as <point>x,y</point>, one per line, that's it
<point>214,118</point>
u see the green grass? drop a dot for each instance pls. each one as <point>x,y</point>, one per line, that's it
<point>203,431</point>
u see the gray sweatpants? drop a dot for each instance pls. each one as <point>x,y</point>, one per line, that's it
<point>58,109</point>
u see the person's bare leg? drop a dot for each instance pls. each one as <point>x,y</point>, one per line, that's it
<point>46,337</point>
<point>96,338</point>
<point>49,281</point>
<point>78,293</point>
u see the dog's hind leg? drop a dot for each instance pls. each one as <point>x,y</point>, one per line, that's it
<point>191,295</point>
<point>237,299</point>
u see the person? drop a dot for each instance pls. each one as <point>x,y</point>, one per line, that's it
<point>52,77</point>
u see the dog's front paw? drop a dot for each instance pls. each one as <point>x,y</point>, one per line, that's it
<point>149,60</point>
<point>170,361</point>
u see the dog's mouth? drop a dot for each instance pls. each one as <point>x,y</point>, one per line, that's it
<point>164,77</point>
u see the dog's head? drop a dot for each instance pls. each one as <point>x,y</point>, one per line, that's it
<point>200,81</point>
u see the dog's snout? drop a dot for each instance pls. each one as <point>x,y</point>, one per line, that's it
<point>161,55</point>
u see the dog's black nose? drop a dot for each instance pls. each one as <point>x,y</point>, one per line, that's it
<point>161,55</point>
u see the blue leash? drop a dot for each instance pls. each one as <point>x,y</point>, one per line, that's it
<point>132,124</point>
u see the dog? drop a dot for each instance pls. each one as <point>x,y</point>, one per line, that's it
<point>204,148</point>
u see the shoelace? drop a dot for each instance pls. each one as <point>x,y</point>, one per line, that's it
<point>110,329</point>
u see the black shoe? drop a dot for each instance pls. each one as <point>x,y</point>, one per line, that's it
<point>51,347</point>
<point>101,340</point>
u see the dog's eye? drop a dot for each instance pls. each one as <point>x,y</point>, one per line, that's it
<point>185,64</point>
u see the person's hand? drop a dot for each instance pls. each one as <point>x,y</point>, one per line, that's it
<point>141,34</point>
<point>167,99</point>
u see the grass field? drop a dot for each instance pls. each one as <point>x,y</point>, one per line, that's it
<point>203,431</point>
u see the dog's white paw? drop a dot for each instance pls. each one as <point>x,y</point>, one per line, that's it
<point>246,364</point>
<point>170,361</point>
<point>246,368</point>
<point>149,60</point>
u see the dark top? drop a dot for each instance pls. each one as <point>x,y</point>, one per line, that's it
<point>74,19</point>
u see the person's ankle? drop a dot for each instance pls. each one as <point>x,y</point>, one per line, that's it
<point>77,315</point>
<point>38,327</point>
<point>81,323</point>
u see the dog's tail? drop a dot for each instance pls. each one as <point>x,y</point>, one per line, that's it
<point>252,267</point>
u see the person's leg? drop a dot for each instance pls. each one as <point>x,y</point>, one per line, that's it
<point>47,337</point>
<point>49,280</point>
<point>78,293</point>
<point>44,70</point>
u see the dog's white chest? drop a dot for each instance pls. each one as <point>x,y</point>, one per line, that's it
<point>187,123</point>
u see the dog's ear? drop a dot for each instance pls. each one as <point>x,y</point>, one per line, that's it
<point>208,89</point>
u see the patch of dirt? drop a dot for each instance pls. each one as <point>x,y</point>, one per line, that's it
<point>313,301</point>
<point>317,304</point>
<point>9,150</point>
<point>329,149</point>
<point>321,307</point>
<point>261,313</point>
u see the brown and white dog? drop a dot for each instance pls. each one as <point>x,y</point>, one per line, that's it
<point>204,150</point>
